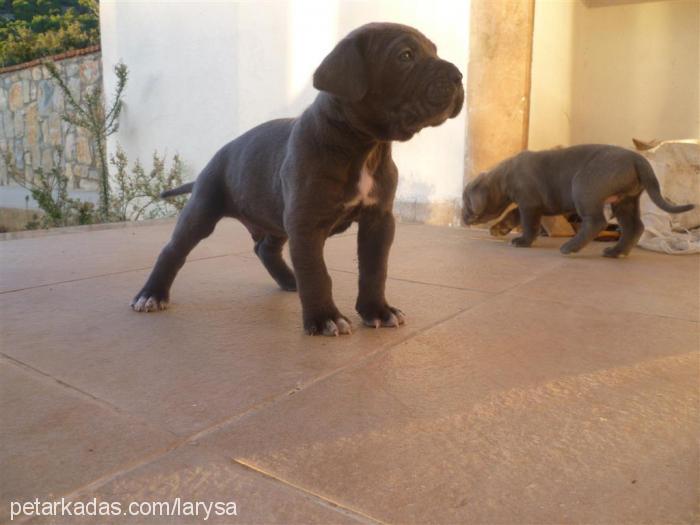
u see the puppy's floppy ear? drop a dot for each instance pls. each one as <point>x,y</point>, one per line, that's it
<point>342,72</point>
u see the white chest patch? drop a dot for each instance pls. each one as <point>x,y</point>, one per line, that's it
<point>365,186</point>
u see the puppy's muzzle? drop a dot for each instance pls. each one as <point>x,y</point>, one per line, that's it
<point>446,88</point>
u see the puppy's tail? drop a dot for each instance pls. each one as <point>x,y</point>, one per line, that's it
<point>185,188</point>
<point>651,184</point>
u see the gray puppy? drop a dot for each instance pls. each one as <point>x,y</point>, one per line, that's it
<point>307,178</point>
<point>581,179</point>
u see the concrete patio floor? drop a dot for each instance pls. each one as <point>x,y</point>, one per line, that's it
<point>526,387</point>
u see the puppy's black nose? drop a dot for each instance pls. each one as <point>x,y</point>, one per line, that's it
<point>455,76</point>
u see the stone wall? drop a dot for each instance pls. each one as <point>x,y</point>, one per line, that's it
<point>31,127</point>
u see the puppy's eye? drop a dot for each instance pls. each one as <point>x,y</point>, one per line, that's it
<point>406,55</point>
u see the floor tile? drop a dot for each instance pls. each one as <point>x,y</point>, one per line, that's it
<point>230,341</point>
<point>515,411</point>
<point>39,261</point>
<point>645,282</point>
<point>526,387</point>
<point>194,474</point>
<point>457,257</point>
<point>55,440</point>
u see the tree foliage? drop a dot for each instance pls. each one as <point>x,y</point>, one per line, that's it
<point>31,29</point>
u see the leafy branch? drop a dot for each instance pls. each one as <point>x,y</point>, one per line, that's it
<point>91,115</point>
<point>137,194</point>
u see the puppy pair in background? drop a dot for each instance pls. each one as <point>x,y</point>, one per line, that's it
<point>581,179</point>
<point>310,177</point>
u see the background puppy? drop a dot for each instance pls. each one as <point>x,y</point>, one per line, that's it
<point>581,179</point>
<point>307,178</point>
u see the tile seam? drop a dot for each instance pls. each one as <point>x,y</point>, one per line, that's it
<point>44,376</point>
<point>311,495</point>
<point>109,274</point>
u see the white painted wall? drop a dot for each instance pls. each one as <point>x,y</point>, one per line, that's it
<point>203,72</point>
<point>608,70</point>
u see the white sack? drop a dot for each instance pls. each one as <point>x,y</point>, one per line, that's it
<point>677,166</point>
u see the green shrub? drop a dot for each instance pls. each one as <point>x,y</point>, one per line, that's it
<point>50,191</point>
<point>136,194</point>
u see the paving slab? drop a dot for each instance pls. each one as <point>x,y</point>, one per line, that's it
<point>54,440</point>
<point>526,386</point>
<point>38,261</point>
<point>646,282</point>
<point>230,341</point>
<point>458,257</point>
<point>226,491</point>
<point>515,411</point>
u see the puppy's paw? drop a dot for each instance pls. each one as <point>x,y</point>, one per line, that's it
<point>328,325</point>
<point>613,252</point>
<point>521,242</point>
<point>568,247</point>
<point>386,316</point>
<point>146,301</point>
<point>287,283</point>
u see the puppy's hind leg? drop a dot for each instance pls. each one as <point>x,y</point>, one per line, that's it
<point>269,251</point>
<point>627,213</point>
<point>196,221</point>
<point>591,226</point>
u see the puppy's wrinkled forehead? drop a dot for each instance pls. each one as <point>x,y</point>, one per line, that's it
<point>381,37</point>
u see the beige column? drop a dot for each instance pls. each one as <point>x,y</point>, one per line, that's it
<point>498,89</point>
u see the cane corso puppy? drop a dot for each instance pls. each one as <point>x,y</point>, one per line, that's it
<point>307,178</point>
<point>581,179</point>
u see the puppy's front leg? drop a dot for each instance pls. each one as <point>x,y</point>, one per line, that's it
<point>314,284</point>
<point>374,238</point>
<point>530,222</point>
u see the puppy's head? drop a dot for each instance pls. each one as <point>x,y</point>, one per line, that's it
<point>390,81</point>
<point>481,201</point>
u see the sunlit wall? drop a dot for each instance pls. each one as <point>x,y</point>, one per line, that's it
<point>201,73</point>
<point>608,70</point>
